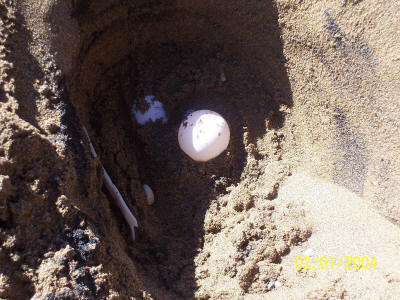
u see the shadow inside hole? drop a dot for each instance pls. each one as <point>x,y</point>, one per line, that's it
<point>183,68</point>
<point>25,71</point>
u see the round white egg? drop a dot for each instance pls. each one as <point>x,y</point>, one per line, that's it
<point>203,135</point>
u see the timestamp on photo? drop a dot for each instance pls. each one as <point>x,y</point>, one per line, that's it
<point>332,263</point>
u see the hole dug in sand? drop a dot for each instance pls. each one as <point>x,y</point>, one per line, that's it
<point>212,222</point>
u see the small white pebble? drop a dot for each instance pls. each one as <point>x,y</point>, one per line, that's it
<point>278,284</point>
<point>223,77</point>
<point>270,285</point>
<point>149,194</point>
<point>308,252</point>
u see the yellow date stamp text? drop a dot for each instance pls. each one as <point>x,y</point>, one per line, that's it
<point>332,263</point>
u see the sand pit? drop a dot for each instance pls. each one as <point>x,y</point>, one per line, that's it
<point>310,91</point>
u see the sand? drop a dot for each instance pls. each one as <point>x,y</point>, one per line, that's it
<point>311,92</point>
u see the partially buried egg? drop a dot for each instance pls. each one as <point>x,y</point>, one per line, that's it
<point>203,135</point>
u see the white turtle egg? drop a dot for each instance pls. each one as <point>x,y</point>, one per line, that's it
<point>203,135</point>
<point>154,112</point>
